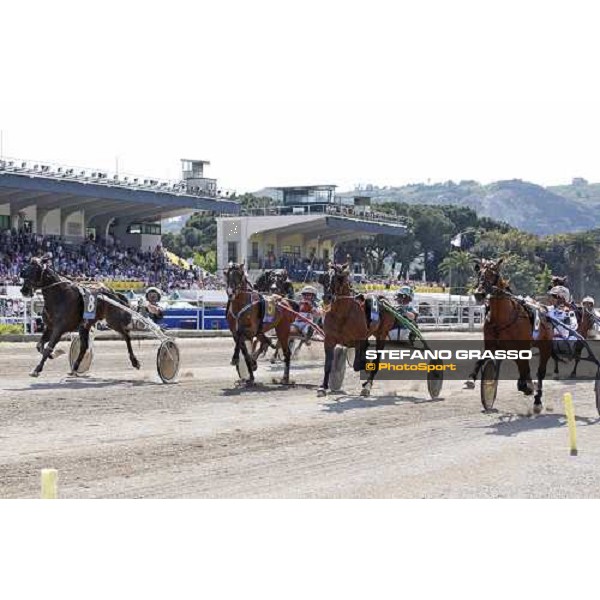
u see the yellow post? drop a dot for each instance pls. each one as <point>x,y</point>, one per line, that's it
<point>49,484</point>
<point>570,414</point>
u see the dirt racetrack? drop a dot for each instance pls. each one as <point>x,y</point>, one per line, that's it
<point>119,433</point>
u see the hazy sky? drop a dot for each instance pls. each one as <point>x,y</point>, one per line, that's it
<point>315,92</point>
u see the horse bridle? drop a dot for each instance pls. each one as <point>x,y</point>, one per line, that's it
<point>240,285</point>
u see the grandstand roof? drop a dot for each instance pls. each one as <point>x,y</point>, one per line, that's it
<point>327,225</point>
<point>305,187</point>
<point>23,185</point>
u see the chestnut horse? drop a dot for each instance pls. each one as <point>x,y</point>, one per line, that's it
<point>508,325</point>
<point>64,310</point>
<point>346,323</point>
<point>245,318</point>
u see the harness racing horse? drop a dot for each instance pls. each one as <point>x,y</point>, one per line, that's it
<point>275,280</point>
<point>346,323</point>
<point>245,313</point>
<point>586,319</point>
<point>64,312</point>
<point>508,326</point>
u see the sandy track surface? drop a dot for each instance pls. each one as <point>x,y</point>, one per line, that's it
<point>119,433</point>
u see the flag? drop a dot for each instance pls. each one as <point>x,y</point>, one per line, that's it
<point>456,241</point>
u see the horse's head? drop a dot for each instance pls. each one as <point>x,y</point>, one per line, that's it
<point>235,276</point>
<point>263,282</point>
<point>558,280</point>
<point>489,279</point>
<point>339,279</point>
<point>278,280</point>
<point>32,274</point>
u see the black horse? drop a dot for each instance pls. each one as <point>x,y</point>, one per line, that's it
<point>275,281</point>
<point>64,312</point>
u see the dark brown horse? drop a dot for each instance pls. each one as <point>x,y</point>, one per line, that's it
<point>346,323</point>
<point>64,310</point>
<point>586,319</point>
<point>245,316</point>
<point>509,326</point>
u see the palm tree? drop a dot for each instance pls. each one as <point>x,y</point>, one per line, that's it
<point>582,254</point>
<point>458,267</point>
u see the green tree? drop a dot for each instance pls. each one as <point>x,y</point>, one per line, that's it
<point>582,255</point>
<point>457,268</point>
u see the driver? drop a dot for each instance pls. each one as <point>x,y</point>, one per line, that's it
<point>309,309</point>
<point>404,298</point>
<point>151,306</point>
<point>588,303</point>
<point>560,310</point>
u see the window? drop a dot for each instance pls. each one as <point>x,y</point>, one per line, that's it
<point>232,252</point>
<point>254,249</point>
<point>270,248</point>
<point>145,228</point>
<point>4,222</point>
<point>90,233</point>
<point>73,228</point>
<point>325,253</point>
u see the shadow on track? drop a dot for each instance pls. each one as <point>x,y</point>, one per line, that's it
<point>347,402</point>
<point>82,383</point>
<point>511,424</point>
<point>261,388</point>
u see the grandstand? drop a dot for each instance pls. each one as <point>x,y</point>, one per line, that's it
<point>54,200</point>
<point>301,232</point>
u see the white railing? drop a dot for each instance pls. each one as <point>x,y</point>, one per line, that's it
<point>18,311</point>
<point>51,170</point>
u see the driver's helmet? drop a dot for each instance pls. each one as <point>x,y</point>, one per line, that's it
<point>405,292</point>
<point>153,294</point>
<point>560,292</point>
<point>309,290</point>
<point>588,301</point>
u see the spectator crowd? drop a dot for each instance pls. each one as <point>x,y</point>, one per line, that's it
<point>95,261</point>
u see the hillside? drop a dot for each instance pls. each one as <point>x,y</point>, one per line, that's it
<point>530,207</point>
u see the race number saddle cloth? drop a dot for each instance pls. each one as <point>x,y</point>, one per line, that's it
<point>270,310</point>
<point>89,293</point>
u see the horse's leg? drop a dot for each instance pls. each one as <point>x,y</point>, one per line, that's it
<point>84,336</point>
<point>283,335</point>
<point>578,349</point>
<point>368,384</point>
<point>47,352</point>
<point>250,363</point>
<point>524,384</point>
<point>329,347</point>
<point>135,363</point>
<point>44,339</point>
<point>360,354</point>
<point>297,349</point>
<point>120,322</point>
<point>541,373</point>
<point>469,384</point>
<point>556,374</point>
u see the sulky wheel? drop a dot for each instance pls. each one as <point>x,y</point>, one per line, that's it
<point>435,379</point>
<point>597,390</point>
<point>338,368</point>
<point>350,354</point>
<point>167,361</point>
<point>88,357</point>
<point>489,383</point>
